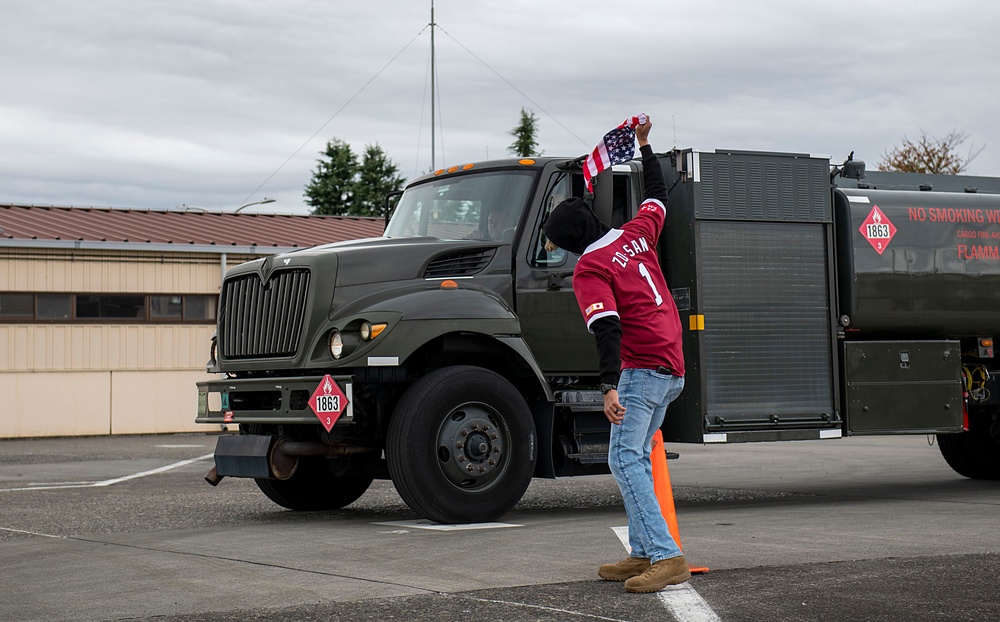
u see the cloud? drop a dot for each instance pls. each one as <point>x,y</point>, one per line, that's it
<point>199,102</point>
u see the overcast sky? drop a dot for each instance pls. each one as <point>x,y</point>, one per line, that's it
<point>147,104</point>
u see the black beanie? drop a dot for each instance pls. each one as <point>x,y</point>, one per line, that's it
<point>572,225</point>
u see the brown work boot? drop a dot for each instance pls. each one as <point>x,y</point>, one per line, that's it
<point>625,569</point>
<point>659,575</point>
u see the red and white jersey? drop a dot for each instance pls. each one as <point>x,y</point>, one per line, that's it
<point>619,275</point>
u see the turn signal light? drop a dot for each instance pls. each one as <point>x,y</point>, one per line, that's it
<point>449,284</point>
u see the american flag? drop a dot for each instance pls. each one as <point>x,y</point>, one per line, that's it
<point>617,146</point>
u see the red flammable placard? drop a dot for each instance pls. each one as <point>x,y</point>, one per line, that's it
<point>328,402</point>
<point>878,229</point>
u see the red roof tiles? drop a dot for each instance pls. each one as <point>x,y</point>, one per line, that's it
<point>93,224</point>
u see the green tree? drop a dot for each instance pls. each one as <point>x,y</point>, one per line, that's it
<point>930,155</point>
<point>525,135</point>
<point>331,189</point>
<point>377,177</point>
<point>341,186</point>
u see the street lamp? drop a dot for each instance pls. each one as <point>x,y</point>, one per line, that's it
<point>261,202</point>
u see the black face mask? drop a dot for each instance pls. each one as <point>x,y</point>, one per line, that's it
<point>573,226</point>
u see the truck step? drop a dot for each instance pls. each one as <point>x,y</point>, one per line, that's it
<point>603,458</point>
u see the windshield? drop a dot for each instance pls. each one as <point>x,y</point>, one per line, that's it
<point>479,206</point>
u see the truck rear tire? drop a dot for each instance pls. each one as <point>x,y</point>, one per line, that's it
<point>976,453</point>
<point>461,446</point>
<point>313,487</point>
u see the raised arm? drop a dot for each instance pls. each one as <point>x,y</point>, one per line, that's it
<point>655,187</point>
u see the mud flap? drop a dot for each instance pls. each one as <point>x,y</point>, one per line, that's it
<point>244,455</point>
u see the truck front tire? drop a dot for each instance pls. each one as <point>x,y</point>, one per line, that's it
<point>461,445</point>
<point>314,487</point>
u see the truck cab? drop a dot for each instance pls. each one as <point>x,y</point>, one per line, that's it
<point>435,355</point>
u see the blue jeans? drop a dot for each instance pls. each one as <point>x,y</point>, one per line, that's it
<point>645,395</point>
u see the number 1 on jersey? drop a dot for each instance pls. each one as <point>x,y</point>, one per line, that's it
<point>649,279</point>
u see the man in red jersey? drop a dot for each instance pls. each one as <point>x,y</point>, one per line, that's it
<point>627,306</point>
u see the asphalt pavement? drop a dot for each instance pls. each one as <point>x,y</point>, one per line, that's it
<point>125,528</point>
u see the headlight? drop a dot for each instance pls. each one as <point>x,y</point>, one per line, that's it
<point>365,330</point>
<point>336,344</point>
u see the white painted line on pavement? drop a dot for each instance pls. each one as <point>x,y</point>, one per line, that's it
<point>31,533</point>
<point>622,533</point>
<point>686,603</point>
<point>117,480</point>
<point>544,608</point>
<point>77,483</point>
<point>426,524</point>
<point>683,601</point>
<point>162,469</point>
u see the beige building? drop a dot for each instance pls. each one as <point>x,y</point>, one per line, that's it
<point>106,315</point>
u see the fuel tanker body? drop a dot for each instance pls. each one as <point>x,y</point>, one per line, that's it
<point>918,285</point>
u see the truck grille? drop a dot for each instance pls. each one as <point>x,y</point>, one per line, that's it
<point>459,264</point>
<point>262,318</point>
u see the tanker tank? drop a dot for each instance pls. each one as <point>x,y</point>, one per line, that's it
<point>919,264</point>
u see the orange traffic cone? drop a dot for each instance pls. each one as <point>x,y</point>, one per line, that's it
<point>665,494</point>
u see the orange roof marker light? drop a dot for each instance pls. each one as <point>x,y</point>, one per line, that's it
<point>439,171</point>
<point>467,167</point>
<point>453,169</point>
<point>526,161</point>
<point>449,284</point>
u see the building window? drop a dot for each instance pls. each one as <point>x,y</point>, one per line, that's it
<point>110,306</point>
<point>54,306</point>
<point>199,308</point>
<point>17,306</point>
<point>166,307</point>
<point>104,308</point>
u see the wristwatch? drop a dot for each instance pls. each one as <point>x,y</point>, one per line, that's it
<point>608,387</point>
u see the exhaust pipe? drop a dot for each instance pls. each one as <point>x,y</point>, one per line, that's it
<point>213,477</point>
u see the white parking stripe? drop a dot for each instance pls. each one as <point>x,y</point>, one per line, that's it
<point>576,614</point>
<point>162,469</point>
<point>686,604</point>
<point>426,524</point>
<point>683,601</point>
<point>117,480</point>
<point>31,533</point>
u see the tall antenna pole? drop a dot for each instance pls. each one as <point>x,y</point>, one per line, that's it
<point>433,166</point>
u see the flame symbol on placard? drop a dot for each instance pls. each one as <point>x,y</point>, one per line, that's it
<point>327,386</point>
<point>876,216</point>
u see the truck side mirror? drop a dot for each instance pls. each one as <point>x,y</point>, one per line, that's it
<point>390,205</point>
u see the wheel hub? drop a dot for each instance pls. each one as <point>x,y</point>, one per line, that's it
<point>471,447</point>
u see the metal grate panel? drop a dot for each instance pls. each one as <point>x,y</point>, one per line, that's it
<point>748,186</point>
<point>767,340</point>
<point>263,319</point>
<point>459,264</point>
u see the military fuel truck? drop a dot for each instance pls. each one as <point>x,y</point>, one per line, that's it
<point>449,355</point>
